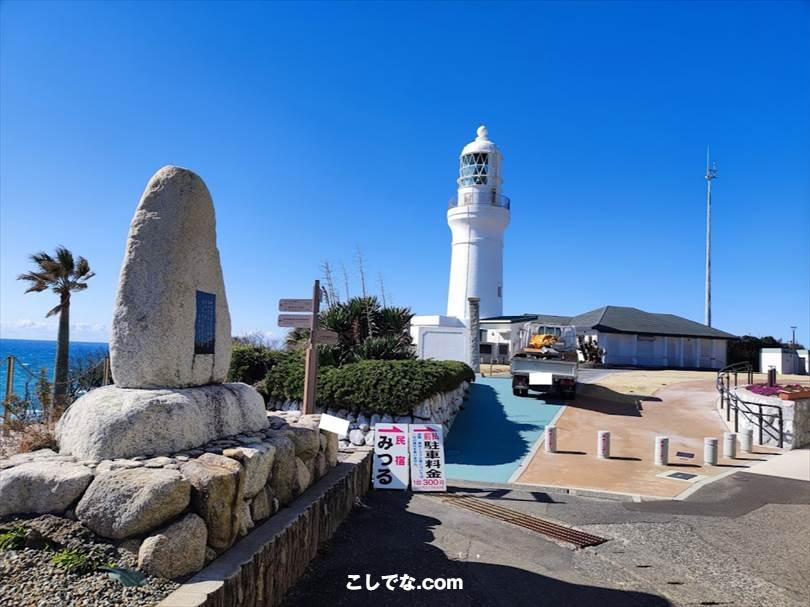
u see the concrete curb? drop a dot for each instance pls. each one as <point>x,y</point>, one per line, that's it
<point>247,569</point>
<point>528,458</point>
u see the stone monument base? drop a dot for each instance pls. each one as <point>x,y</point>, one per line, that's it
<point>113,422</point>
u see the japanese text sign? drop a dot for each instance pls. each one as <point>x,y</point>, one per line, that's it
<point>427,457</point>
<point>390,456</point>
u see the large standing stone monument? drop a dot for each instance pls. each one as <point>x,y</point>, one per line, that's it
<point>171,341</point>
<point>171,326</point>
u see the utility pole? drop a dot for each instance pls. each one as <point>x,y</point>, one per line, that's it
<point>711,174</point>
<point>793,339</point>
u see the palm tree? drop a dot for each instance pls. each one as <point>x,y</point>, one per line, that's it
<point>367,330</point>
<point>63,275</point>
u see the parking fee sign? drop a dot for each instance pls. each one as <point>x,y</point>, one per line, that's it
<point>427,458</point>
<point>390,456</point>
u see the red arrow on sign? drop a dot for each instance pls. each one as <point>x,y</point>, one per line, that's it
<point>394,429</point>
<point>422,430</point>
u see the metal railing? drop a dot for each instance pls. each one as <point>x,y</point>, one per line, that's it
<point>730,402</point>
<point>758,417</point>
<point>723,381</point>
<point>27,405</point>
<point>497,200</point>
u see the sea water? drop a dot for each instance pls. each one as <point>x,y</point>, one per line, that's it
<point>33,355</point>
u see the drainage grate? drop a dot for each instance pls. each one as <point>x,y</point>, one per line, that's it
<point>579,539</point>
<point>682,476</point>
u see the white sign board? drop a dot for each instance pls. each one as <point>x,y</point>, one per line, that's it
<point>427,457</point>
<point>541,379</point>
<point>390,456</point>
<point>295,305</point>
<point>330,423</point>
<point>299,321</point>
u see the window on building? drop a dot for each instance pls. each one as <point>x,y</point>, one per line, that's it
<point>500,291</point>
<point>474,169</point>
<point>485,349</point>
<point>503,349</point>
<point>482,335</point>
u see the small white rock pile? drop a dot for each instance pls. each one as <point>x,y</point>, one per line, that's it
<point>441,408</point>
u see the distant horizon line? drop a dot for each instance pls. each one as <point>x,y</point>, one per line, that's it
<point>105,343</point>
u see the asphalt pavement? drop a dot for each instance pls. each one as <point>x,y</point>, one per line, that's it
<point>741,540</point>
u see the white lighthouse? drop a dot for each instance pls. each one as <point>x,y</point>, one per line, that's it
<point>478,217</point>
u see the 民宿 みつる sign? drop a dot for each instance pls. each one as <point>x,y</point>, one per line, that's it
<point>427,457</point>
<point>390,456</point>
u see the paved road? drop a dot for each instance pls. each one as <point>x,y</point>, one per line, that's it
<point>740,541</point>
<point>592,376</point>
<point>495,431</point>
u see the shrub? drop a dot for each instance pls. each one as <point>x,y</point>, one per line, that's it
<point>250,363</point>
<point>36,437</point>
<point>285,381</point>
<point>74,561</point>
<point>13,539</point>
<point>382,386</point>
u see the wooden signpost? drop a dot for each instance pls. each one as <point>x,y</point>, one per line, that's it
<point>330,338</point>
<point>309,320</point>
<point>297,321</point>
<point>295,305</point>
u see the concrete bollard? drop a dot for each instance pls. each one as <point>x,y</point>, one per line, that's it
<point>729,445</point>
<point>661,450</point>
<point>710,451</point>
<point>603,444</point>
<point>551,439</point>
<point>747,440</point>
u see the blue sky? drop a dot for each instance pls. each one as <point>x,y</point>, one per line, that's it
<point>321,128</point>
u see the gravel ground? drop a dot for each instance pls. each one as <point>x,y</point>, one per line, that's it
<point>29,579</point>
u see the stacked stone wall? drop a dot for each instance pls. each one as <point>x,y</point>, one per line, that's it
<point>184,508</point>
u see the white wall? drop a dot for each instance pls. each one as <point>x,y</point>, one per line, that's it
<point>498,334</point>
<point>785,361</point>
<point>476,263</point>
<point>662,351</point>
<point>804,364</point>
<point>440,338</point>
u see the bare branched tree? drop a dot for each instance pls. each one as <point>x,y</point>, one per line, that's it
<point>257,338</point>
<point>382,289</point>
<point>345,280</point>
<point>329,290</point>
<point>361,270</point>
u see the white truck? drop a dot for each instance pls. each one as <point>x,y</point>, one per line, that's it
<point>550,367</point>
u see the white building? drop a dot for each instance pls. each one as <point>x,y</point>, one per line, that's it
<point>478,217</point>
<point>633,337</point>
<point>629,336</point>
<point>786,361</point>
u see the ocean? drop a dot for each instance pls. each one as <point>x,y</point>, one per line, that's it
<point>33,355</point>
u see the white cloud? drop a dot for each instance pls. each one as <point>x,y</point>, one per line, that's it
<point>25,328</point>
<point>27,323</point>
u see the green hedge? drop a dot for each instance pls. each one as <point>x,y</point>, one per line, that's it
<point>250,364</point>
<point>382,386</point>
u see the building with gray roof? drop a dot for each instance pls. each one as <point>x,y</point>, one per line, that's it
<point>629,337</point>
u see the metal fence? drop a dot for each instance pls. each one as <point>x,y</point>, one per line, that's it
<point>770,425</point>
<point>23,404</point>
